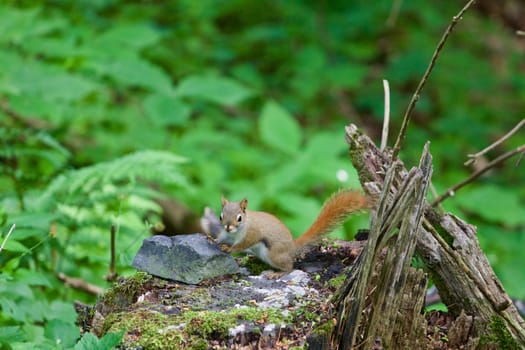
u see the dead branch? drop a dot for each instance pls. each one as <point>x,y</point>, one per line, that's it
<point>417,93</point>
<point>80,284</point>
<point>474,157</point>
<point>452,190</point>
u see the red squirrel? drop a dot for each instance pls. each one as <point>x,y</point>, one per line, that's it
<point>270,240</point>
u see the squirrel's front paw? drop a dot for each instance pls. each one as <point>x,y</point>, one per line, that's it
<point>225,248</point>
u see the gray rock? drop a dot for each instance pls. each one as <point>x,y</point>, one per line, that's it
<point>183,258</point>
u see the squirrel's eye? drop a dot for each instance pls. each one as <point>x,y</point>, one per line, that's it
<point>221,217</point>
<point>239,218</point>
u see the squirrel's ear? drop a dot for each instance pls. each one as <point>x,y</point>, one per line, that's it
<point>223,200</point>
<point>243,204</point>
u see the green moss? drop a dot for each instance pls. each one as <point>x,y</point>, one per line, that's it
<point>336,282</point>
<point>215,325</point>
<point>324,328</point>
<point>499,335</point>
<point>254,265</point>
<point>190,330</point>
<point>320,334</point>
<point>198,344</point>
<point>108,322</point>
<point>151,330</point>
<point>122,294</point>
<point>198,296</point>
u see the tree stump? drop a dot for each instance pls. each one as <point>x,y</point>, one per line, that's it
<point>381,302</point>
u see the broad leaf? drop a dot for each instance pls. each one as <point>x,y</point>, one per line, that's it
<point>51,83</point>
<point>221,90</point>
<point>62,332</point>
<point>278,129</point>
<point>133,72</point>
<point>134,35</point>
<point>11,334</point>
<point>90,342</point>
<point>166,111</point>
<point>14,246</point>
<point>497,204</point>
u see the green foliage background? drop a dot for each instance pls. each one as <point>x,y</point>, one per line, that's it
<point>100,99</point>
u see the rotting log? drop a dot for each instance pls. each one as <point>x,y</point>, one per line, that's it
<point>382,289</point>
<point>449,249</point>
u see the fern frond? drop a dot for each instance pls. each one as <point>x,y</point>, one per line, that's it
<point>159,167</point>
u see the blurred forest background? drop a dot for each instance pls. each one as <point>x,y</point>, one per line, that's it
<point>107,106</point>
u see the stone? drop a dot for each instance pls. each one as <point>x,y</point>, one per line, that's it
<point>184,258</point>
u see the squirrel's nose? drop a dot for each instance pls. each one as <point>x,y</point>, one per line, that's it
<point>228,228</point>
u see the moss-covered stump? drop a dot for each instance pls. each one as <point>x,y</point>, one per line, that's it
<point>250,311</point>
<point>246,310</point>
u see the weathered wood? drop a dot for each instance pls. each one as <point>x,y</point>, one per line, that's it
<point>449,248</point>
<point>379,294</point>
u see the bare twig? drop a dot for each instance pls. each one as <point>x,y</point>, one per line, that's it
<point>112,275</point>
<point>423,81</point>
<point>386,115</point>
<point>7,237</point>
<point>473,157</point>
<point>79,283</point>
<point>451,191</point>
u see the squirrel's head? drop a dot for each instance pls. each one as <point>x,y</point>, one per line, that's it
<point>233,214</point>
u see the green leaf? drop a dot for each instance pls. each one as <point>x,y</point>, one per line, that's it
<point>50,47</point>
<point>25,309</point>
<point>90,342</point>
<point>166,111</point>
<point>16,23</point>
<point>133,71</point>
<point>14,62</point>
<point>323,145</point>
<point>133,35</point>
<point>11,334</point>
<point>40,221</point>
<point>63,311</point>
<point>156,166</point>
<point>32,278</point>
<point>16,289</point>
<point>349,76</point>
<point>51,83</point>
<point>111,340</point>
<point>62,332</point>
<point>15,246</point>
<point>278,129</point>
<point>496,204</point>
<point>223,91</point>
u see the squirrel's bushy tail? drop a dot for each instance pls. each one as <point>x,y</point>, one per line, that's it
<point>335,211</point>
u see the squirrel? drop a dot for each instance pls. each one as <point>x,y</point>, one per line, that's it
<point>265,236</point>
